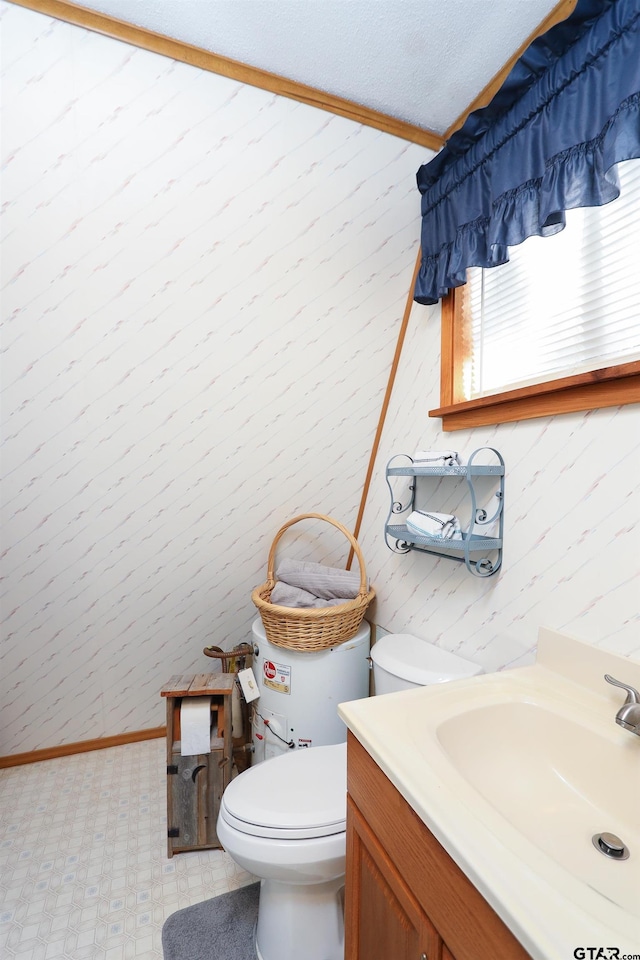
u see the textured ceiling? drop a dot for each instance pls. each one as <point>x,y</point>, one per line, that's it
<point>422,61</point>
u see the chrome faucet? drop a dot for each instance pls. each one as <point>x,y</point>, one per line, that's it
<point>628,716</point>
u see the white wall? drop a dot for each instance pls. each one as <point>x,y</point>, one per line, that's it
<point>572,526</point>
<point>202,287</point>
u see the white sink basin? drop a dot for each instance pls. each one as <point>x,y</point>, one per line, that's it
<point>514,773</point>
<point>559,783</point>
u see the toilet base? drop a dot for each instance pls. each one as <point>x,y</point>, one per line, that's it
<point>300,921</point>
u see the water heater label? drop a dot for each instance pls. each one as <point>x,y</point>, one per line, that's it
<point>277,676</point>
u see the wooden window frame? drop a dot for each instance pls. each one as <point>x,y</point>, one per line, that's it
<point>607,387</point>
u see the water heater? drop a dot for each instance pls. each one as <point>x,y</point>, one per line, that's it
<point>300,692</point>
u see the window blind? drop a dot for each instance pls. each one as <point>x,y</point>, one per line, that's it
<point>564,304</point>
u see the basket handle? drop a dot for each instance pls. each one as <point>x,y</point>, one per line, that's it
<point>336,523</point>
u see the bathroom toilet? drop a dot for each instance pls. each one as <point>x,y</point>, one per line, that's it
<point>402,661</point>
<point>284,820</point>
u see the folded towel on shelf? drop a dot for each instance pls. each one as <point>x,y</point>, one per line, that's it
<point>284,595</point>
<point>327,583</point>
<point>444,526</point>
<point>435,458</point>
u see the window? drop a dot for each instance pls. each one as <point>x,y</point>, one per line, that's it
<point>557,328</point>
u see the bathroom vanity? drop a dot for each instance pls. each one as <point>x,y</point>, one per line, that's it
<point>405,897</point>
<point>476,807</point>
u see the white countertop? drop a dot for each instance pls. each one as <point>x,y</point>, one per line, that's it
<point>548,905</point>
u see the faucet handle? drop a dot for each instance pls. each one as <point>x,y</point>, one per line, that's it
<point>632,694</point>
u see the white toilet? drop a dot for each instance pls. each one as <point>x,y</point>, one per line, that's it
<point>284,820</point>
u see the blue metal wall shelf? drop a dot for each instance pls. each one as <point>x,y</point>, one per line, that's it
<point>473,549</point>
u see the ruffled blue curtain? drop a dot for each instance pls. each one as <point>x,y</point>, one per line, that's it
<point>548,141</point>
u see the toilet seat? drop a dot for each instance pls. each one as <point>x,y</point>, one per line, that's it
<point>297,796</point>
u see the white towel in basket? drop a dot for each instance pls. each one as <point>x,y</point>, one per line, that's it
<point>284,595</point>
<point>328,583</point>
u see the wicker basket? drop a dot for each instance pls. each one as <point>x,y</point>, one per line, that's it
<point>315,628</point>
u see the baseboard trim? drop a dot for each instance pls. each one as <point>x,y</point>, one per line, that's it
<point>82,746</point>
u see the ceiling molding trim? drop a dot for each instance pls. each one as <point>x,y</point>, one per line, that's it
<point>233,69</point>
<point>561,11</point>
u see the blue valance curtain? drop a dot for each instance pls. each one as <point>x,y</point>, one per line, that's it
<point>548,141</point>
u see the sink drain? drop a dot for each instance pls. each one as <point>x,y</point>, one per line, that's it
<point>610,845</point>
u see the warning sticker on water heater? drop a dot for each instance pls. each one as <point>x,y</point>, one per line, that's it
<point>277,676</point>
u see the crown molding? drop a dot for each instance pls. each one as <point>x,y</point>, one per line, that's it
<point>233,69</point>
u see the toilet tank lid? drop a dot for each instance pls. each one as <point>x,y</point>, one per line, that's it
<point>421,662</point>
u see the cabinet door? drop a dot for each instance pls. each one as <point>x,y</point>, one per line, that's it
<point>188,801</point>
<point>463,919</point>
<point>383,921</point>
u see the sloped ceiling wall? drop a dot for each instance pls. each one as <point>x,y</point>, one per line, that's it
<point>423,61</point>
<point>202,285</point>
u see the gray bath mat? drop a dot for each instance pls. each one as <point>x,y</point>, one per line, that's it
<point>222,928</point>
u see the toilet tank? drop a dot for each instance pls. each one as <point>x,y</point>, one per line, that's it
<point>402,661</point>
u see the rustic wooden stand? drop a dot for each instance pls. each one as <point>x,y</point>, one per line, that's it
<point>195,784</point>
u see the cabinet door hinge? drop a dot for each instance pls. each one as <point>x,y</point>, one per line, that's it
<point>173,832</point>
<point>172,768</point>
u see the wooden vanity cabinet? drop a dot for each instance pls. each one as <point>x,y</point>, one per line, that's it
<point>405,897</point>
<point>384,919</point>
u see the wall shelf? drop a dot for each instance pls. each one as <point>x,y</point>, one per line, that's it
<point>481,554</point>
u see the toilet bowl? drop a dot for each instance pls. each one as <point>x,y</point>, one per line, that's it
<point>284,820</point>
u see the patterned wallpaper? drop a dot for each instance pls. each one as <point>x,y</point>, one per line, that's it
<point>572,526</point>
<point>202,288</point>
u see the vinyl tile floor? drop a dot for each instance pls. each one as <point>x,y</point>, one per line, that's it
<point>84,872</point>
